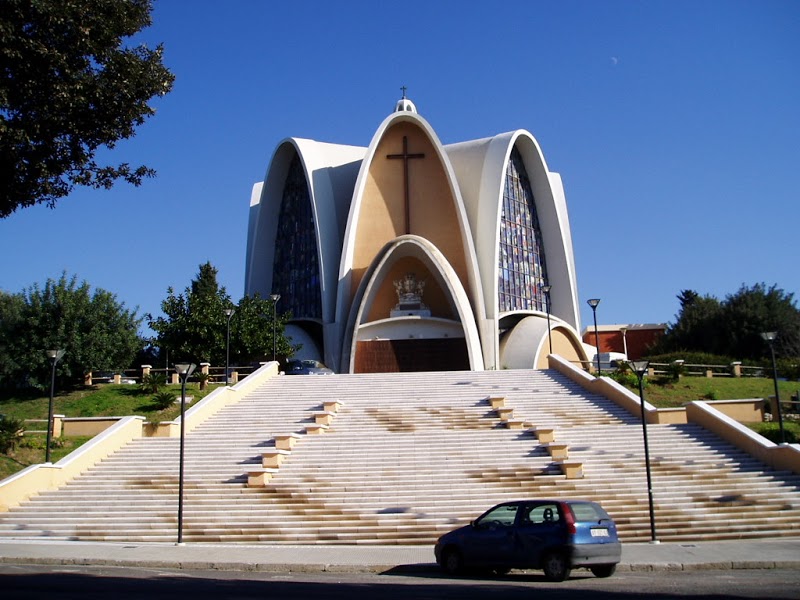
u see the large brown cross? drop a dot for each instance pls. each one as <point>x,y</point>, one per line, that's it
<point>406,156</point>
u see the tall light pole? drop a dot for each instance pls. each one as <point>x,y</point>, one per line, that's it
<point>54,356</point>
<point>640,368</point>
<point>274,298</point>
<point>546,289</point>
<point>769,337</point>
<point>184,371</point>
<point>593,302</point>
<point>229,313</point>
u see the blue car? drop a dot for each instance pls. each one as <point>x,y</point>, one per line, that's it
<point>553,535</point>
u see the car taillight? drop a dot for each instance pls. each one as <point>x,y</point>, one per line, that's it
<point>569,519</point>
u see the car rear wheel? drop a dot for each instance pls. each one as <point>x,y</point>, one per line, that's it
<point>556,566</point>
<point>603,570</point>
<point>452,563</point>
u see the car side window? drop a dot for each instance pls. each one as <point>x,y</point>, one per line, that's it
<point>541,514</point>
<point>500,516</point>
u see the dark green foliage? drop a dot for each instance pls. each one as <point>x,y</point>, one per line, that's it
<point>194,327</point>
<point>733,327</point>
<point>164,400</point>
<point>626,378</point>
<point>10,433</point>
<point>69,87</point>
<point>96,331</point>
<point>153,382</point>
<point>771,431</point>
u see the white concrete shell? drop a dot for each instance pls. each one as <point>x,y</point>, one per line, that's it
<point>473,174</point>
<point>330,171</point>
<point>480,167</point>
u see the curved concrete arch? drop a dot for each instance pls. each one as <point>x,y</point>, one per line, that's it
<point>526,345</point>
<point>346,268</point>
<point>330,171</point>
<point>480,166</point>
<point>446,278</point>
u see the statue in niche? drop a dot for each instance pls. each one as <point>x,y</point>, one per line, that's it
<point>409,297</point>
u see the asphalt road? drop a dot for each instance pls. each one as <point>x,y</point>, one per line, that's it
<point>118,583</point>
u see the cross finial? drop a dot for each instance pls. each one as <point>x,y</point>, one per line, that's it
<point>404,88</point>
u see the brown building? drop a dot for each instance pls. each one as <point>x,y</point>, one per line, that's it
<point>633,340</point>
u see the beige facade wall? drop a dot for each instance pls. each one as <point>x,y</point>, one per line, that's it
<point>432,207</point>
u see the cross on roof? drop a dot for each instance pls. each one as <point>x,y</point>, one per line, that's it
<point>406,157</point>
<point>404,88</point>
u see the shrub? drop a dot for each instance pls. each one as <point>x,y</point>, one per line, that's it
<point>153,382</point>
<point>771,431</point>
<point>10,433</point>
<point>163,400</point>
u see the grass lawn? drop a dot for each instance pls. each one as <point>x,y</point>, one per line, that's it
<point>31,451</point>
<point>106,400</point>
<point>665,394</point>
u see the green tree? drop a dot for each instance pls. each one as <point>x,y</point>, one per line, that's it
<point>696,324</point>
<point>96,331</point>
<point>733,327</point>
<point>194,325</point>
<point>69,87</point>
<point>251,332</point>
<point>753,310</point>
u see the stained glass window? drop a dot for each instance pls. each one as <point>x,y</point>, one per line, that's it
<point>521,269</point>
<point>295,270</point>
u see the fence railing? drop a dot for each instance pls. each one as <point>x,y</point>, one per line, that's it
<point>134,376</point>
<point>734,369</point>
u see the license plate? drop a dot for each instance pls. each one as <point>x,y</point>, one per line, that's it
<point>600,532</point>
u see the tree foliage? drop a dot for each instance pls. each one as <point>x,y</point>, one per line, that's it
<point>68,87</point>
<point>194,326</point>
<point>96,331</point>
<point>733,326</point>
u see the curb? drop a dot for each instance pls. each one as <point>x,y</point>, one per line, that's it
<point>344,568</point>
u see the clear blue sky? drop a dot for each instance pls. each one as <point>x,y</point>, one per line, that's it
<point>675,126</point>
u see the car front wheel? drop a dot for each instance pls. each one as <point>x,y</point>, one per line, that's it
<point>603,570</point>
<point>556,566</point>
<point>452,563</point>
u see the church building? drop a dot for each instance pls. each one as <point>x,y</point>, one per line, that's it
<point>409,255</point>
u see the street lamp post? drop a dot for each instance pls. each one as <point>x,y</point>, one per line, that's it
<point>274,298</point>
<point>229,313</point>
<point>593,302</point>
<point>769,337</point>
<point>54,356</point>
<point>546,289</point>
<point>184,371</point>
<point>640,368</point>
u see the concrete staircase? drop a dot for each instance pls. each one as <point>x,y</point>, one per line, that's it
<point>408,457</point>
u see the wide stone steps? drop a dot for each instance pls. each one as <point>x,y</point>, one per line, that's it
<point>407,457</point>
